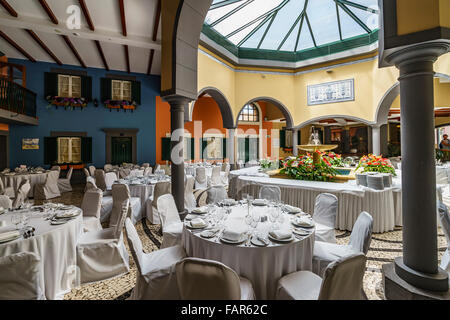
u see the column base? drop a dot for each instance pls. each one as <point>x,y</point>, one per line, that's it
<point>432,282</point>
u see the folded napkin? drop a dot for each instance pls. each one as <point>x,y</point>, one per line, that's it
<point>232,235</point>
<point>9,235</point>
<point>198,223</point>
<point>260,202</point>
<point>292,209</point>
<point>190,217</point>
<point>7,227</point>
<point>229,201</point>
<point>67,213</point>
<point>200,210</point>
<point>303,221</point>
<point>281,234</point>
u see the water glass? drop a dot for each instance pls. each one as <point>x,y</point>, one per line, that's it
<point>17,220</point>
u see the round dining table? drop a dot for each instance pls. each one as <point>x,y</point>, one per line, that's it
<point>14,179</point>
<point>55,245</point>
<point>263,266</point>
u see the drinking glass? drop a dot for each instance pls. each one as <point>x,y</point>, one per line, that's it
<point>256,218</point>
<point>17,220</point>
<point>274,214</point>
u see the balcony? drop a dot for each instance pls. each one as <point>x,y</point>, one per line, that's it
<point>17,104</point>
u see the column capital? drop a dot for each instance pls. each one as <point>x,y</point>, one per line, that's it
<point>177,100</point>
<point>424,52</point>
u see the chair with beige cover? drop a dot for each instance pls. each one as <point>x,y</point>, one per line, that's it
<point>123,173</point>
<point>215,177</point>
<point>49,189</point>
<point>86,173</point>
<point>120,194</point>
<point>225,173</point>
<point>20,277</point>
<point>107,201</point>
<point>22,194</point>
<point>64,183</point>
<point>110,178</point>
<point>189,198</point>
<point>92,171</point>
<point>201,181</point>
<point>100,179</point>
<point>5,202</point>
<point>147,171</point>
<point>101,254</point>
<point>161,188</point>
<point>155,276</point>
<point>360,238</point>
<point>146,165</point>
<point>342,280</point>
<point>56,168</point>
<point>91,206</point>
<point>325,212</point>
<point>167,169</point>
<point>107,167</point>
<point>201,279</point>
<point>172,227</point>
<point>7,191</point>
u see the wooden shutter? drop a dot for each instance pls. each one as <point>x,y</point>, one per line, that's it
<point>50,150</point>
<point>50,84</point>
<point>299,137</point>
<point>282,138</point>
<point>86,150</point>
<point>165,149</point>
<point>86,88</point>
<point>105,89</point>
<point>224,148</point>
<point>136,91</point>
<point>192,148</point>
<point>204,144</point>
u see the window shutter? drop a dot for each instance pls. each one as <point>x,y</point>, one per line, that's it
<point>204,143</point>
<point>136,91</point>
<point>86,150</point>
<point>50,84</point>
<point>192,148</point>
<point>165,149</point>
<point>299,137</point>
<point>282,138</point>
<point>105,89</point>
<point>86,88</point>
<point>50,150</point>
<point>224,148</point>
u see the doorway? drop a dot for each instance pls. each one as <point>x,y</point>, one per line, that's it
<point>248,148</point>
<point>121,150</point>
<point>3,152</point>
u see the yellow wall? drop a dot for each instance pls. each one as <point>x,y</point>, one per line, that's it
<point>371,84</point>
<point>441,96</point>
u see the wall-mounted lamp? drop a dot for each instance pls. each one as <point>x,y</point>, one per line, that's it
<point>95,103</point>
<point>329,71</point>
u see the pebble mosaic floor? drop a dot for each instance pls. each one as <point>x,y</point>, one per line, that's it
<point>384,248</point>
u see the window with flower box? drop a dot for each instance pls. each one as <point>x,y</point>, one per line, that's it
<point>121,90</point>
<point>69,86</point>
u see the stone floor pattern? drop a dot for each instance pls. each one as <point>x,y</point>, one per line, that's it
<point>384,248</point>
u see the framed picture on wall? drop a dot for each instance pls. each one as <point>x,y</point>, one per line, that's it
<point>331,92</point>
<point>30,144</point>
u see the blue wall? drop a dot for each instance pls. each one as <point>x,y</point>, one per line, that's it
<point>90,120</point>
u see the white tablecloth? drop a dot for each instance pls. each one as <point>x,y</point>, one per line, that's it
<point>263,266</point>
<point>384,205</point>
<point>56,247</point>
<point>441,175</point>
<point>15,180</point>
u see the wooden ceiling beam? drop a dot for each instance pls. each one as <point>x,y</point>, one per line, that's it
<point>87,15</point>
<point>49,11</point>
<point>122,17</point>
<point>8,8</point>
<point>102,55</point>
<point>43,46</point>
<point>16,46</point>
<point>74,50</point>
<point>155,35</point>
<point>127,58</point>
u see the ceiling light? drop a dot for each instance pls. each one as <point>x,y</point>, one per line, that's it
<point>329,71</point>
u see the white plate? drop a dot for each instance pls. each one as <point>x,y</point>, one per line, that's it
<point>302,225</point>
<point>10,239</point>
<point>256,242</point>
<point>302,233</point>
<point>58,222</point>
<point>242,240</point>
<point>73,215</point>
<point>188,224</point>
<point>208,234</point>
<point>281,240</point>
<point>260,202</point>
<point>199,211</point>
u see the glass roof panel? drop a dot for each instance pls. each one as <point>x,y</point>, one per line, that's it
<point>277,22</point>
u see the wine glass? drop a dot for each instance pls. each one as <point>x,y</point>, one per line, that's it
<point>274,214</point>
<point>17,220</point>
<point>256,218</point>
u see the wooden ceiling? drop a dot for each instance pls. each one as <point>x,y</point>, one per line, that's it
<point>122,35</point>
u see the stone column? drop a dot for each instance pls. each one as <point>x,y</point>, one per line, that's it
<point>376,140</point>
<point>231,147</point>
<point>419,264</point>
<point>295,142</point>
<point>177,107</point>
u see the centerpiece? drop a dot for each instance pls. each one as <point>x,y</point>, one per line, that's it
<point>373,163</point>
<point>305,168</point>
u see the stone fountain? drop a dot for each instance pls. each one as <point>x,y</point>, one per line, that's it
<point>315,144</point>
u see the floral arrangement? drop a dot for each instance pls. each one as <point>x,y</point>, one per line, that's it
<point>66,102</point>
<point>333,158</point>
<point>303,168</point>
<point>373,163</point>
<point>121,104</point>
<point>265,163</point>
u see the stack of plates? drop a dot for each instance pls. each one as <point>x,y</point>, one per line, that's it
<point>387,180</point>
<point>260,202</point>
<point>375,182</point>
<point>361,179</point>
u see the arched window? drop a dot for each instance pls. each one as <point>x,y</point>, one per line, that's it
<point>249,113</point>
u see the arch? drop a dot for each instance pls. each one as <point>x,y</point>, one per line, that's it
<point>281,106</point>
<point>382,113</point>
<point>308,122</point>
<point>222,102</point>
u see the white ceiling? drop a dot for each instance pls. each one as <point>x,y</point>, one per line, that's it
<point>105,15</point>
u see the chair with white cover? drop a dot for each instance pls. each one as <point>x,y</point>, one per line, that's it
<point>146,165</point>
<point>101,254</point>
<point>64,183</point>
<point>91,206</point>
<point>21,194</point>
<point>201,182</point>
<point>86,173</point>
<point>360,238</point>
<point>56,168</point>
<point>271,193</point>
<point>20,277</point>
<point>5,202</point>
<point>167,169</point>
<point>216,194</point>
<point>92,171</point>
<point>100,179</point>
<point>215,177</point>
<point>444,218</point>
<point>120,194</point>
<point>124,172</point>
<point>172,227</point>
<point>342,280</point>
<point>189,198</point>
<point>325,212</point>
<point>107,167</point>
<point>161,188</point>
<point>224,174</point>
<point>147,171</point>
<point>49,189</point>
<point>110,178</point>
<point>7,191</point>
<point>201,279</point>
<point>155,276</point>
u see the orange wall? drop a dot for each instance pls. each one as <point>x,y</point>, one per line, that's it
<point>4,127</point>
<point>208,116</point>
<point>4,70</point>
